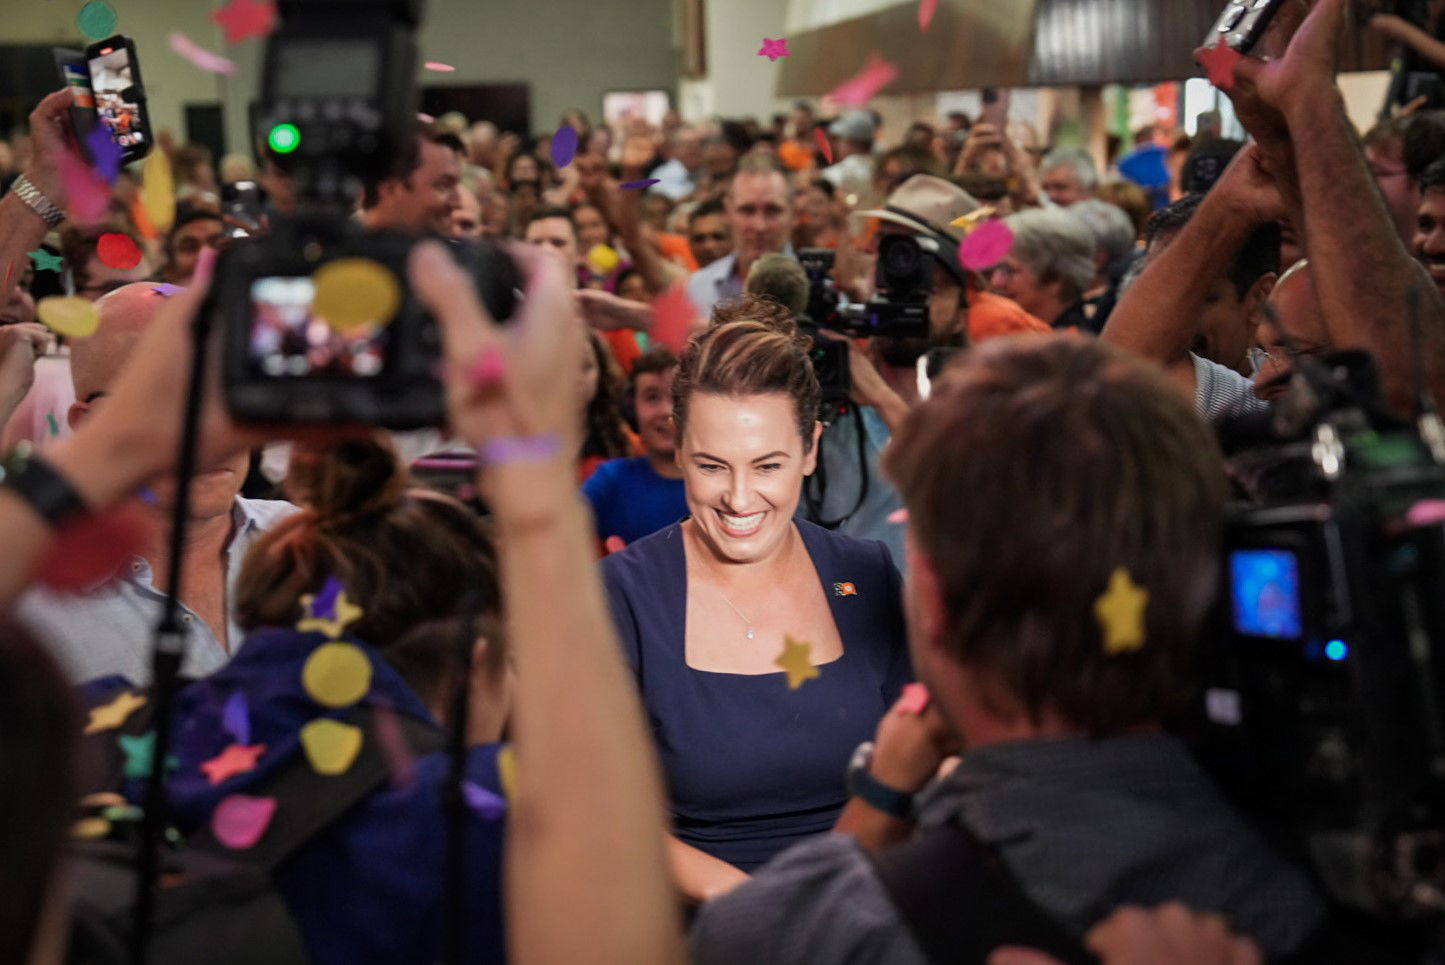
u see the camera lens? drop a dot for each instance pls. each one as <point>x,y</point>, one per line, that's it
<point>900,256</point>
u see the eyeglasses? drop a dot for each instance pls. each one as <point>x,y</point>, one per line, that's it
<point>1259,357</point>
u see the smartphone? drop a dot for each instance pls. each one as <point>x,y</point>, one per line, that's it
<point>1243,23</point>
<point>995,108</point>
<point>119,95</point>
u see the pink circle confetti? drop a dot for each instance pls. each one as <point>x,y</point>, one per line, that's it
<point>1220,62</point>
<point>986,246</point>
<point>564,145</point>
<point>118,252</point>
<point>439,67</point>
<point>240,820</point>
<point>199,56</point>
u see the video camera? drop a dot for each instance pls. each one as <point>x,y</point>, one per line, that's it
<point>337,110</point>
<point>1324,699</point>
<point>904,283</point>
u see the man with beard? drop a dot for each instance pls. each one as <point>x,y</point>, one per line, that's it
<point>848,493</point>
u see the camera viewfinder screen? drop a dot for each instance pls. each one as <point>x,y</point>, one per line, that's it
<point>1265,588</point>
<point>110,79</point>
<point>289,340</point>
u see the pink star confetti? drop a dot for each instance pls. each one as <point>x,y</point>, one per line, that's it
<point>859,89</point>
<point>986,246</point>
<point>824,145</point>
<point>88,196</point>
<point>439,67</point>
<point>926,10</point>
<point>199,56</point>
<point>773,49</point>
<point>672,316</point>
<point>1220,61</point>
<point>243,19</point>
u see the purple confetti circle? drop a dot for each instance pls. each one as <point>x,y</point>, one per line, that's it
<point>564,145</point>
<point>649,182</point>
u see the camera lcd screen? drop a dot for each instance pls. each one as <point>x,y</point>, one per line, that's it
<point>289,340</point>
<point>326,68</point>
<point>1265,588</point>
<point>111,80</point>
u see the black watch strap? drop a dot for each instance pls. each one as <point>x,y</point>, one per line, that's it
<point>45,490</point>
<point>874,792</point>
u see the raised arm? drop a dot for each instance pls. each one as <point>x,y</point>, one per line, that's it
<point>21,229</point>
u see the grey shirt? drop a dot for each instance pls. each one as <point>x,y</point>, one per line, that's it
<point>110,630</point>
<point>1083,825</point>
<point>1220,393</point>
<point>844,473</point>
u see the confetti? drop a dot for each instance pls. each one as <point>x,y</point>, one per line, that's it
<point>898,516</point>
<point>158,192</point>
<point>330,745</point>
<point>489,367</point>
<point>973,219</point>
<point>507,771</point>
<point>199,56</point>
<point>342,614</point>
<point>240,820</point>
<point>399,758</point>
<point>353,293</point>
<point>796,661</point>
<point>614,544</point>
<point>824,145</point>
<point>243,19</point>
<point>638,185</point>
<point>118,252</point>
<point>336,675</point>
<point>507,450</point>
<point>859,89</point>
<point>986,246</point>
<point>96,20</point>
<point>45,261</point>
<point>122,812</point>
<point>1120,612</point>
<point>52,424</point>
<point>112,715</point>
<point>69,315</point>
<point>90,828</point>
<point>140,753</point>
<point>915,698</point>
<point>236,718</point>
<point>488,805</point>
<point>602,259</point>
<point>232,761</point>
<point>564,145</point>
<point>87,196</point>
<point>439,67</point>
<point>165,289</point>
<point>90,551</point>
<point>672,317</point>
<point>102,799</point>
<point>926,10</point>
<point>1220,61</point>
<point>773,49</point>
<point>104,152</point>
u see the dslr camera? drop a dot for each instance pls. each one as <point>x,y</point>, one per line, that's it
<point>338,106</point>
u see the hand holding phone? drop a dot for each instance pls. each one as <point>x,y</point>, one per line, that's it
<point>1242,24</point>
<point>108,93</point>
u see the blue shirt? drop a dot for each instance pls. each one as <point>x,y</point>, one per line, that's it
<point>840,477</point>
<point>751,766</point>
<point>110,630</point>
<point>630,500</point>
<point>369,888</point>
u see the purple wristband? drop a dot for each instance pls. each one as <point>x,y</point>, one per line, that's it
<point>500,452</point>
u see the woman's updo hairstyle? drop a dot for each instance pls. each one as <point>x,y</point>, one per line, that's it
<point>752,347</point>
<point>405,555</point>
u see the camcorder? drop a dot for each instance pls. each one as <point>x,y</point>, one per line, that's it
<point>903,282</point>
<point>1323,711</point>
<point>338,104</point>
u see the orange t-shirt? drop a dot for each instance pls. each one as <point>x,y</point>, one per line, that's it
<point>676,250</point>
<point>993,316</point>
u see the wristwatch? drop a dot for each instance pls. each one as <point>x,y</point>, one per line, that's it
<point>46,492</point>
<point>869,789</point>
<point>37,202</point>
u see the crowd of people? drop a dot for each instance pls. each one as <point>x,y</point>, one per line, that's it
<point>699,655</point>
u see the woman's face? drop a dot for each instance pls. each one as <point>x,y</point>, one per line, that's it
<point>633,288</point>
<point>591,228</point>
<point>524,168</point>
<point>743,464</point>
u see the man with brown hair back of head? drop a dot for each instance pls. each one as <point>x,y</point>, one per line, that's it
<point>108,629</point>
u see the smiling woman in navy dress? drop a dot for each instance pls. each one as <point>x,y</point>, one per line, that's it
<point>711,609</point>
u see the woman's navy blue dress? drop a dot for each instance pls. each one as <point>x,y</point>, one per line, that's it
<point>751,766</point>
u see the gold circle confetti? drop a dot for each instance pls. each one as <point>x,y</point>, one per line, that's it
<point>602,259</point>
<point>158,190</point>
<point>69,315</point>
<point>331,746</point>
<point>336,675</point>
<point>355,292</point>
<point>90,828</point>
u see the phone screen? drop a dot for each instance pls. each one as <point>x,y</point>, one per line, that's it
<point>289,340</point>
<point>1265,590</point>
<point>112,79</point>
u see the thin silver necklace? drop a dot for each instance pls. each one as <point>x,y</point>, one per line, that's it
<point>749,633</point>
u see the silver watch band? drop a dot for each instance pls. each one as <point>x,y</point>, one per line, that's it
<point>37,202</point>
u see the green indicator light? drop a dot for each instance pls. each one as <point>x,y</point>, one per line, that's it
<point>284,138</point>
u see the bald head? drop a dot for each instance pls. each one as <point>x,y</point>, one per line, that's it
<point>1296,302</point>
<point>124,315</point>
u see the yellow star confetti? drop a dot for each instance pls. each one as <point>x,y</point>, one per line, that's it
<point>344,612</point>
<point>69,315</point>
<point>353,293</point>
<point>973,219</point>
<point>90,828</point>
<point>158,190</point>
<point>331,746</point>
<point>336,675</point>
<point>112,715</point>
<point>1120,612</point>
<point>507,770</point>
<point>796,660</point>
